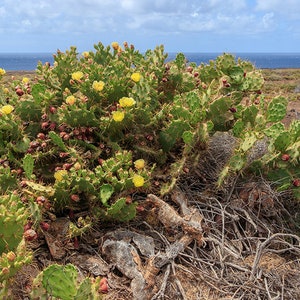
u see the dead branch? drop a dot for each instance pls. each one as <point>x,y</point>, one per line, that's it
<point>262,247</point>
<point>167,215</point>
<point>160,293</point>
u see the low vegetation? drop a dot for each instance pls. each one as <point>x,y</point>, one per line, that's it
<point>108,138</point>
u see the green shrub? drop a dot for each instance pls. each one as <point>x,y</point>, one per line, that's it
<point>75,134</point>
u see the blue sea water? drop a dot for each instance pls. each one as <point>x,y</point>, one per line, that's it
<point>259,60</point>
<point>23,61</point>
<point>29,61</point>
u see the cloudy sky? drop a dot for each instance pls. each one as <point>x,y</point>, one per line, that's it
<point>180,25</point>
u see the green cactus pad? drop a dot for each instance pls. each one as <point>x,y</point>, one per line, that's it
<point>12,219</point>
<point>120,211</point>
<point>249,114</point>
<point>57,140</point>
<point>274,130</point>
<point>106,191</point>
<point>60,281</point>
<point>85,291</point>
<point>248,142</point>
<point>38,91</point>
<point>28,164</point>
<point>282,141</point>
<point>276,109</point>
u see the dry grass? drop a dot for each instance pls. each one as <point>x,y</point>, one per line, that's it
<point>282,82</point>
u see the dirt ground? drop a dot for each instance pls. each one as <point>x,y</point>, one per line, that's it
<point>285,82</point>
<point>241,242</point>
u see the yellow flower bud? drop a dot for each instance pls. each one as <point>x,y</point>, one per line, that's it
<point>118,116</point>
<point>11,256</point>
<point>77,166</point>
<point>5,271</point>
<point>25,80</point>
<point>85,54</point>
<point>60,174</point>
<point>136,77</point>
<point>138,180</point>
<point>115,45</point>
<point>139,164</point>
<point>7,109</point>
<point>6,90</point>
<point>70,100</point>
<point>2,72</point>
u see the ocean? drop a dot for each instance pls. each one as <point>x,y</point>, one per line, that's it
<point>259,60</point>
<point>29,61</point>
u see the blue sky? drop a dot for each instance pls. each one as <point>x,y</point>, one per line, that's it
<point>180,25</point>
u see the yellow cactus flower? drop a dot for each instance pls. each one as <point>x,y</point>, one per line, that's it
<point>2,72</point>
<point>6,91</point>
<point>118,116</point>
<point>25,80</point>
<point>7,109</point>
<point>85,54</point>
<point>77,75</point>
<point>98,86</point>
<point>70,100</point>
<point>138,180</point>
<point>139,164</point>
<point>115,45</point>
<point>60,174</point>
<point>136,77</point>
<point>126,102</point>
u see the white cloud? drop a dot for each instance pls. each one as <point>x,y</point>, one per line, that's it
<point>141,19</point>
<point>220,6</point>
<point>162,16</point>
<point>268,20</point>
<point>290,8</point>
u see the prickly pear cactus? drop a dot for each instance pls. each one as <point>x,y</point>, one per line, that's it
<point>62,283</point>
<point>73,135</point>
<point>28,164</point>
<point>121,210</point>
<point>8,181</point>
<point>13,253</point>
<point>12,261</point>
<point>277,109</point>
<point>13,216</point>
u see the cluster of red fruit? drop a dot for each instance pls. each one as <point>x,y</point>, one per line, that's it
<point>144,140</point>
<point>30,234</point>
<point>30,231</point>
<point>80,133</point>
<point>189,69</point>
<point>21,91</point>
<point>38,145</point>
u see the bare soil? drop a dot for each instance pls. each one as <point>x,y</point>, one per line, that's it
<point>241,242</point>
<point>284,82</point>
